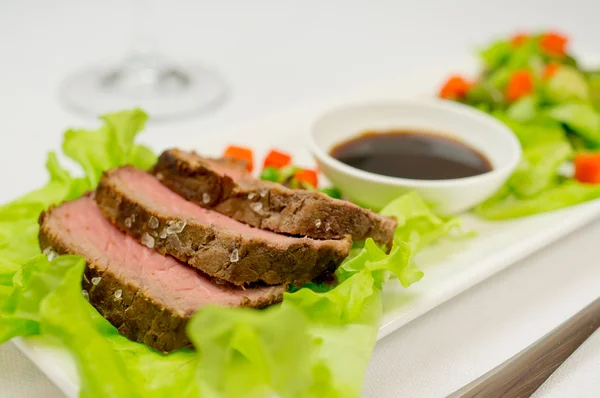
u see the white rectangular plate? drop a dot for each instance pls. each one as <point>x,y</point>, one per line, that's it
<point>450,267</point>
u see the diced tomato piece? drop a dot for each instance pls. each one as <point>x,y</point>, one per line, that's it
<point>550,70</point>
<point>519,85</point>
<point>277,159</point>
<point>308,176</point>
<point>518,39</point>
<point>554,43</point>
<point>456,87</point>
<point>587,168</point>
<point>240,153</point>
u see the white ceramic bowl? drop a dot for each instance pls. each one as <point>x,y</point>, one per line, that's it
<point>474,128</point>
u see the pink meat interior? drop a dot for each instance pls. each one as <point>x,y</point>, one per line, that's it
<point>155,196</point>
<point>83,228</point>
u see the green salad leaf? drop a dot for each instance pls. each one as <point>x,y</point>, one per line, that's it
<point>567,84</point>
<point>524,109</point>
<point>316,343</point>
<point>594,82</point>
<point>417,224</point>
<point>506,205</point>
<point>109,146</point>
<point>538,167</point>
<point>541,129</point>
<point>485,96</point>
<point>581,118</point>
<point>496,54</point>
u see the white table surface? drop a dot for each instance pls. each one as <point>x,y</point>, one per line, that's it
<point>279,53</point>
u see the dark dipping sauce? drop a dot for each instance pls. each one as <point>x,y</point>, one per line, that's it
<point>412,154</point>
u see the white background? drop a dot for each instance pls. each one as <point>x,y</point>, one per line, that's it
<point>279,53</point>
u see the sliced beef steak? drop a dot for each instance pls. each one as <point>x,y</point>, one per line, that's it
<point>224,186</point>
<point>147,296</point>
<point>138,204</point>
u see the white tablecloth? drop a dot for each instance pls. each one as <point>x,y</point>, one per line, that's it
<point>276,54</point>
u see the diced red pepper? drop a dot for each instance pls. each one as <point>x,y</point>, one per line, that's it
<point>308,176</point>
<point>518,39</point>
<point>587,168</point>
<point>456,87</point>
<point>519,85</point>
<point>240,153</point>
<point>277,159</point>
<point>550,70</point>
<point>554,43</point>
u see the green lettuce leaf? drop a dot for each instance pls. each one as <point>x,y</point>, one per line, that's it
<point>594,84</point>
<point>110,146</point>
<point>417,224</point>
<point>243,352</point>
<point>496,54</point>
<point>538,167</point>
<point>540,130</point>
<point>524,109</point>
<point>484,96</point>
<point>581,118</point>
<point>567,84</point>
<point>49,297</point>
<point>18,220</point>
<point>505,204</point>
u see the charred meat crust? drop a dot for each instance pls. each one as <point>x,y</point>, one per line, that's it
<point>219,252</point>
<point>135,315</point>
<point>280,209</point>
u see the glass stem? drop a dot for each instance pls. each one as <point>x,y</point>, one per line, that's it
<point>145,71</point>
<point>144,43</point>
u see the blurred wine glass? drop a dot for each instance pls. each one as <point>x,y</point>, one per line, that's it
<point>144,78</point>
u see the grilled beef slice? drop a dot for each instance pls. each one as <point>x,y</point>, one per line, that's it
<point>148,297</point>
<point>224,186</point>
<point>138,204</point>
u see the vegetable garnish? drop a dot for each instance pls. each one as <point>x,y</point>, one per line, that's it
<point>553,43</point>
<point>308,176</point>
<point>519,85</point>
<point>587,168</point>
<point>316,343</point>
<point>278,168</point>
<point>270,173</point>
<point>333,192</point>
<point>277,159</point>
<point>531,83</point>
<point>550,70</point>
<point>456,87</point>
<point>518,39</point>
<point>242,154</point>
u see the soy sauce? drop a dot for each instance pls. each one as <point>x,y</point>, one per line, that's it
<point>412,154</point>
